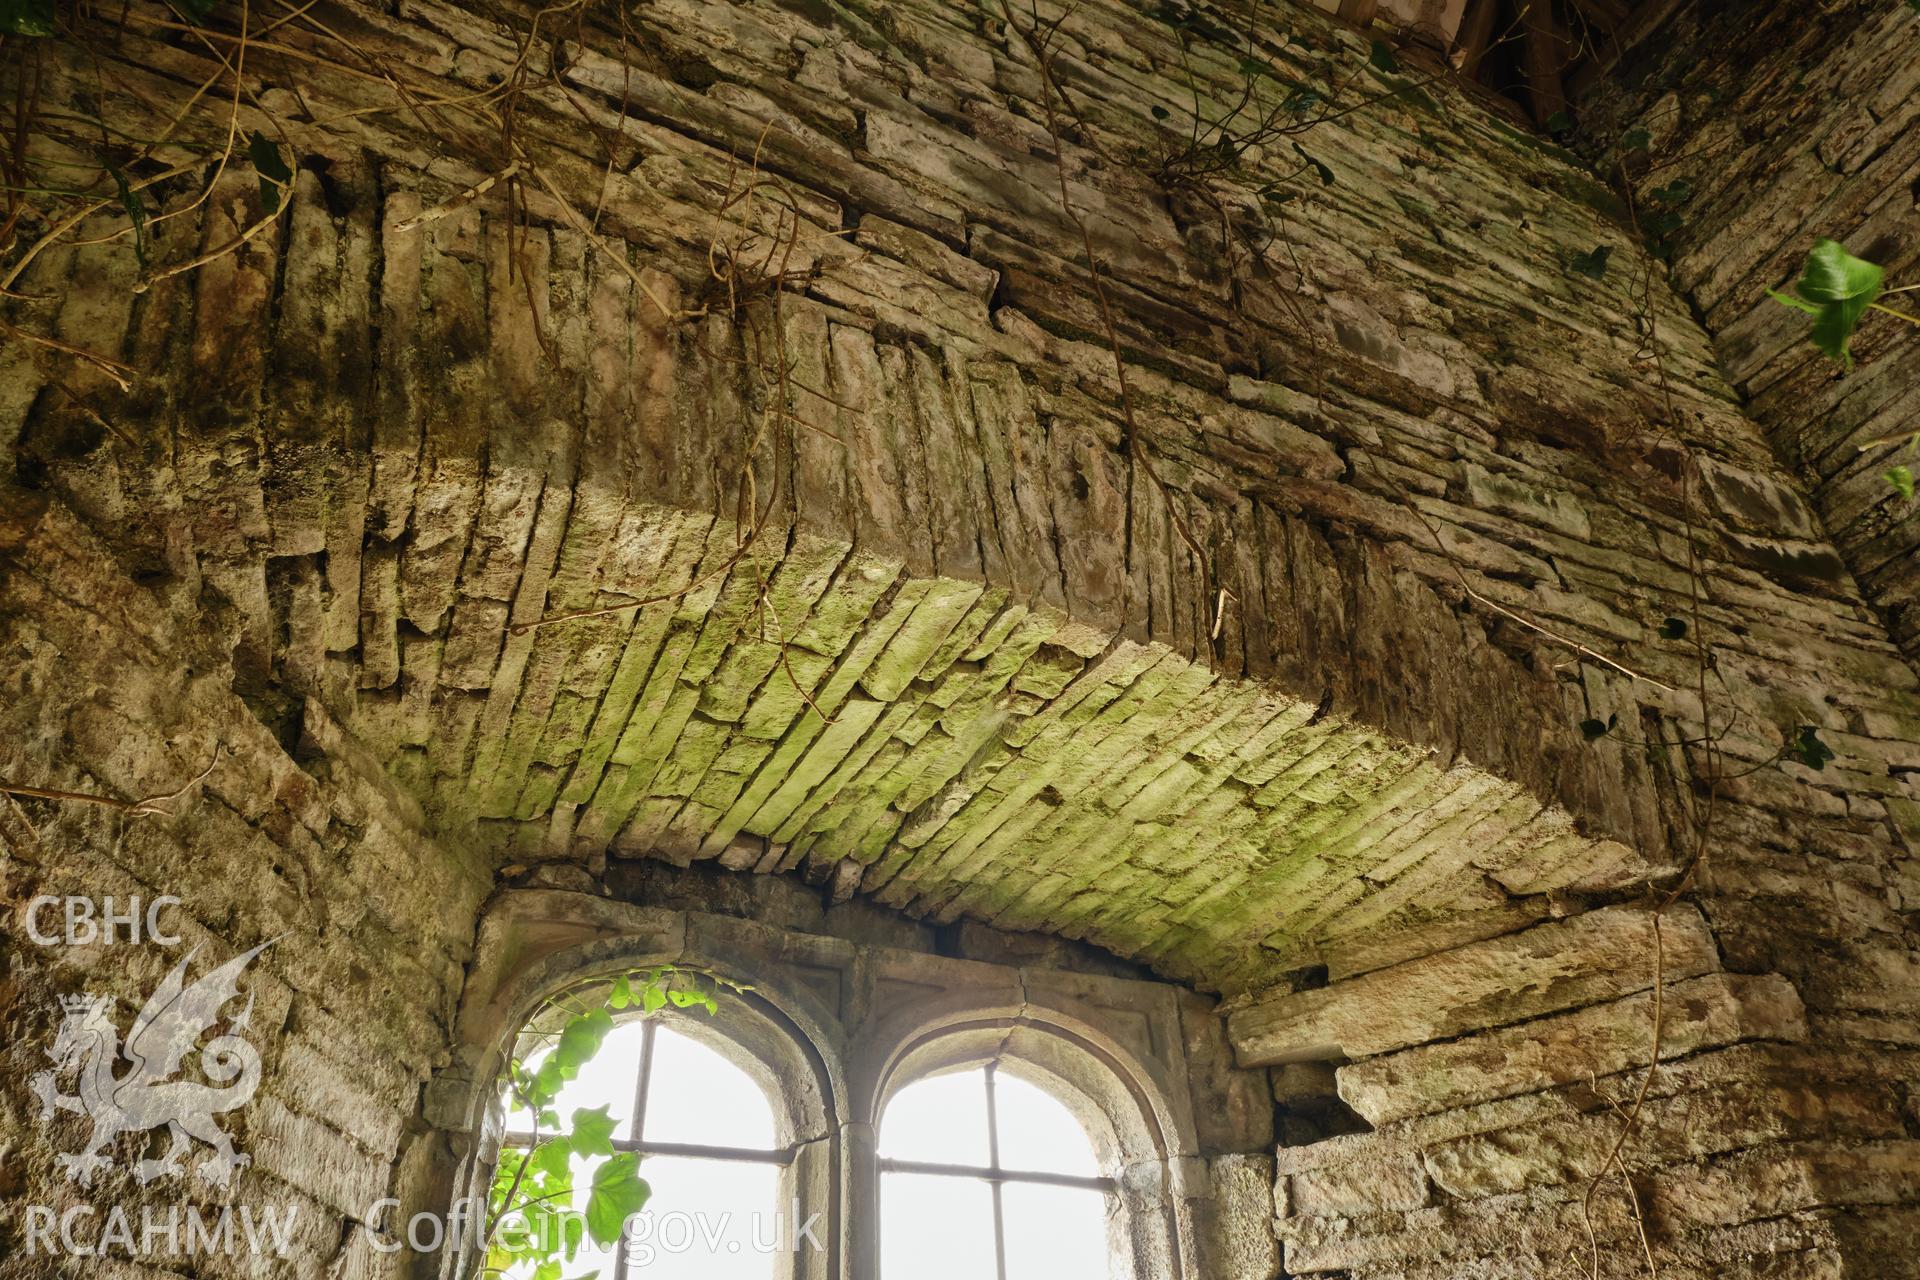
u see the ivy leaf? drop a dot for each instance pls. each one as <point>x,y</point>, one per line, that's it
<point>1159,112</point>
<point>1679,191</point>
<point>693,1000</point>
<point>618,1193</point>
<point>1326,174</point>
<point>653,999</point>
<point>196,11</point>
<point>1252,68</point>
<point>579,1041</point>
<point>27,17</point>
<point>547,1081</point>
<point>1635,140</point>
<point>1560,122</point>
<point>1593,264</point>
<point>1381,58</point>
<point>1807,748</point>
<point>275,177</point>
<point>1673,629</point>
<point>511,1158</point>
<point>551,1223</point>
<point>1665,222</point>
<point>1832,274</point>
<point>1836,289</point>
<point>1592,729</point>
<point>1301,100</point>
<point>1914,5</point>
<point>593,1131</point>
<point>550,1160</point>
<point>1901,478</point>
<point>622,994</point>
<point>136,212</point>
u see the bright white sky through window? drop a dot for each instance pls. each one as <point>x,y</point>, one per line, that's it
<point>709,1219</point>
<point>940,1225</point>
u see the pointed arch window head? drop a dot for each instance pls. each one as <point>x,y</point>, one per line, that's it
<point>987,1174</point>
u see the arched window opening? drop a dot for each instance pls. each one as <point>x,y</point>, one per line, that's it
<point>986,1174</point>
<point>711,1150</point>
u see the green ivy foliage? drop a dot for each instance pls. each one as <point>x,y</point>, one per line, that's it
<point>1593,263</point>
<point>27,17</point>
<point>1835,288</point>
<point>534,1228</point>
<point>1807,748</point>
<point>40,18</point>
<point>276,178</point>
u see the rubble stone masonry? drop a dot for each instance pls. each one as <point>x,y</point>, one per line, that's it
<point>1287,694</point>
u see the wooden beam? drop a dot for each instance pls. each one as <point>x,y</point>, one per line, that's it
<point>1476,35</point>
<point>1645,19</point>
<point>1609,15</point>
<point>1545,60</point>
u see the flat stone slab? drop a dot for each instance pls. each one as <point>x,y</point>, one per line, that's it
<point>1591,958</point>
<point>1700,1013</point>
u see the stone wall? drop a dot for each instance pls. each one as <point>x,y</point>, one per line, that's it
<point>373,1004</point>
<point>1495,1078</point>
<point>1792,125</point>
<point>304,844</point>
<point>1425,471</point>
<point>1446,510</point>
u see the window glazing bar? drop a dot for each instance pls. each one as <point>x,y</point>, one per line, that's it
<point>1075,1180</point>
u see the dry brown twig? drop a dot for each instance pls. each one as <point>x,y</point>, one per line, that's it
<point>122,374</point>
<point>1405,500</point>
<point>750,284</point>
<point>1700,817</point>
<point>1703,815</point>
<point>152,805</point>
<point>1615,1158</point>
<point>1135,450</point>
<point>764,604</point>
<point>1634,1207</point>
<point>453,203</point>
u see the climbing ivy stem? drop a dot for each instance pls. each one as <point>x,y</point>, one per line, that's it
<point>1910,319</point>
<point>161,804</point>
<point>1134,449</point>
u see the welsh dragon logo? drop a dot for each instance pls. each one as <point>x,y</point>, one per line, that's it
<point>146,1096</point>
